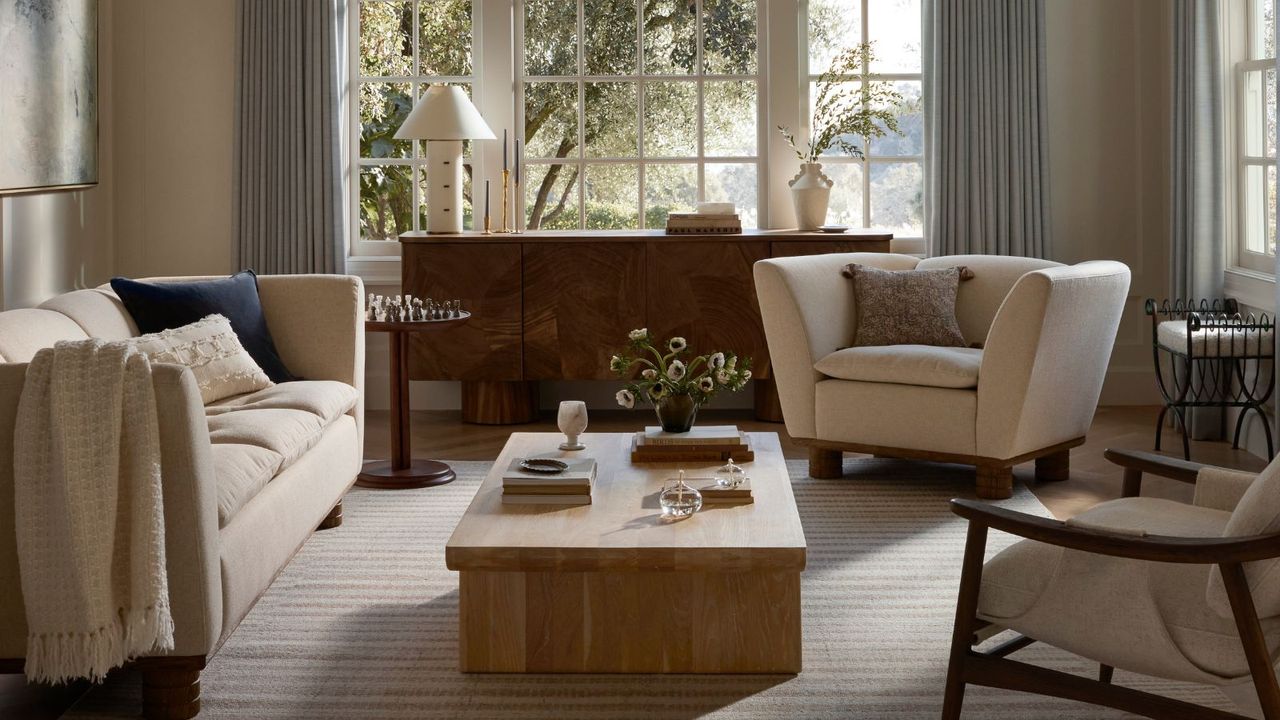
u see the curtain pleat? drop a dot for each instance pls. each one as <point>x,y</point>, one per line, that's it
<point>986,115</point>
<point>289,209</point>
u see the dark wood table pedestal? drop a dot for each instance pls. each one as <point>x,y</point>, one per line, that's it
<point>402,471</point>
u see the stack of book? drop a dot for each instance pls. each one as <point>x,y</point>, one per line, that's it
<point>569,487</point>
<point>710,443</point>
<point>703,224</point>
<point>713,493</point>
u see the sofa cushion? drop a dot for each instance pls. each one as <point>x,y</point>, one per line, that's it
<point>258,435</point>
<point>901,307</point>
<point>211,349</point>
<point>928,365</point>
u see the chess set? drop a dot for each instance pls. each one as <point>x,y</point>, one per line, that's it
<point>407,308</point>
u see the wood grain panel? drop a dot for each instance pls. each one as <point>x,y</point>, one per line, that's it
<point>822,247</point>
<point>487,278</point>
<point>705,292</point>
<point>630,622</point>
<point>579,302</point>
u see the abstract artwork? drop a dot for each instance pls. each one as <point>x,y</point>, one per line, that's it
<point>48,94</point>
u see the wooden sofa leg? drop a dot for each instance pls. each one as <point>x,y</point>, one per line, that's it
<point>1055,467</point>
<point>171,687</point>
<point>826,464</point>
<point>994,482</point>
<point>333,519</point>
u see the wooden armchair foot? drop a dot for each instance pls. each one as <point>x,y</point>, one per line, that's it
<point>171,687</point>
<point>994,483</point>
<point>333,519</point>
<point>825,464</point>
<point>1055,467</point>
<point>1105,673</point>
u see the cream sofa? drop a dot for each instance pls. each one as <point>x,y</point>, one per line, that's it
<point>1030,391</point>
<point>246,480</point>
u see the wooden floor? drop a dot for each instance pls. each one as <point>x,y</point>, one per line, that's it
<point>441,435</point>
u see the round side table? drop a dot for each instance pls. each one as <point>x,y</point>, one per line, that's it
<point>402,471</point>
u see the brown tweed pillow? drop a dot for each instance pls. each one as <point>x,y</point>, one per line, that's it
<point>906,307</point>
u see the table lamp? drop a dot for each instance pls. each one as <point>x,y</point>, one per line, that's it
<point>444,117</point>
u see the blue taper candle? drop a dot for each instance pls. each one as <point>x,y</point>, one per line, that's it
<point>504,149</point>
<point>517,154</point>
<point>486,198</point>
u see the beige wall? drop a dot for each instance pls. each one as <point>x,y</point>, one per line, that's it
<point>174,135</point>
<point>1109,83</point>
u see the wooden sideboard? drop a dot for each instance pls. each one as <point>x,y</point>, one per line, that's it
<point>551,305</point>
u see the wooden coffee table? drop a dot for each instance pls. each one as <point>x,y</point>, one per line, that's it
<point>612,587</point>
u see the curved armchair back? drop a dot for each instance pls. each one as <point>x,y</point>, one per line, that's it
<point>1046,357</point>
<point>979,298</point>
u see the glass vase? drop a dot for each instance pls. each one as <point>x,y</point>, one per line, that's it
<point>676,413</point>
<point>678,499</point>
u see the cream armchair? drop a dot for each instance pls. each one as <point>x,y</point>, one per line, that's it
<point>1175,591</point>
<point>1029,392</point>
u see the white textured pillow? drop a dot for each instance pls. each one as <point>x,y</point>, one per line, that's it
<point>213,352</point>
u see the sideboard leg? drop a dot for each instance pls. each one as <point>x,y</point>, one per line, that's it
<point>768,406</point>
<point>492,402</point>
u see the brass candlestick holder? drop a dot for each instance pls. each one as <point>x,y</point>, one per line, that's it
<point>506,218</point>
<point>486,224</point>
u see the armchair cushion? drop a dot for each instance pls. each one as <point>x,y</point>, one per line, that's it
<point>1220,488</point>
<point>1257,513</point>
<point>928,365</point>
<point>899,307</point>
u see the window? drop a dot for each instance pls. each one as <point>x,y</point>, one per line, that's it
<point>632,110</point>
<point>403,46</point>
<point>884,189</point>
<point>1255,143</point>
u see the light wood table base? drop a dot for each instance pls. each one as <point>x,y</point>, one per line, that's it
<point>630,622</point>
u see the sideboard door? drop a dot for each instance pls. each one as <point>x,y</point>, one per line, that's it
<point>486,277</point>
<point>580,300</point>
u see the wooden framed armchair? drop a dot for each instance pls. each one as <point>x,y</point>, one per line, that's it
<point>1166,589</point>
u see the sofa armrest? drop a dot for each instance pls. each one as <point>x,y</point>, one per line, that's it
<point>317,322</point>
<point>1046,357</point>
<point>190,507</point>
<point>807,309</point>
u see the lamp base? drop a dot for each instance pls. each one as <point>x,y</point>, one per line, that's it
<point>444,186</point>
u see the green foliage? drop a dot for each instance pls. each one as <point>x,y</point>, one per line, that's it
<point>848,105</point>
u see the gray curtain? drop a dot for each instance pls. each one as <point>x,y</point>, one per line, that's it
<point>289,203</point>
<point>1198,222</point>
<point>1197,161</point>
<point>986,116</point>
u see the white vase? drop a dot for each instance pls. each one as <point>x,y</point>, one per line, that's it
<point>810,191</point>
<point>572,420</point>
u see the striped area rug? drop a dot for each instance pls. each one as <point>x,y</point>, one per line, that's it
<point>362,624</point>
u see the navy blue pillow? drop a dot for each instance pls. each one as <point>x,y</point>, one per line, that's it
<point>168,305</point>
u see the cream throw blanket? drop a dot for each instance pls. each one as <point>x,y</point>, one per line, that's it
<point>90,519</point>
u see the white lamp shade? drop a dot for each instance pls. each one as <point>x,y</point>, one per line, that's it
<point>444,113</point>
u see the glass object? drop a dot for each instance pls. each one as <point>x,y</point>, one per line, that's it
<point>612,196</point>
<point>670,45</point>
<point>670,119</point>
<point>609,37</point>
<point>444,37</point>
<point>894,28</point>
<point>668,189</point>
<point>550,197</point>
<point>729,37</point>
<point>386,201</point>
<point>834,25</point>
<point>897,198</point>
<point>678,499</point>
<point>550,37</point>
<point>610,126</point>
<point>676,413</point>
<point>732,475</point>
<point>551,119</point>
<point>729,118</point>
<point>572,420</point>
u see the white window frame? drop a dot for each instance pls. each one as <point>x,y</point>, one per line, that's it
<point>497,74</point>
<point>1241,37</point>
<point>698,80</point>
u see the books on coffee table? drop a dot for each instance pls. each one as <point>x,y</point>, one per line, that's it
<point>571,487</point>
<point>706,443</point>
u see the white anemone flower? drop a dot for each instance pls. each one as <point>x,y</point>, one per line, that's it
<point>706,384</point>
<point>676,370</point>
<point>676,344</point>
<point>746,375</point>
<point>638,334</point>
<point>626,399</point>
<point>716,361</point>
<point>649,374</point>
<point>723,377</point>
